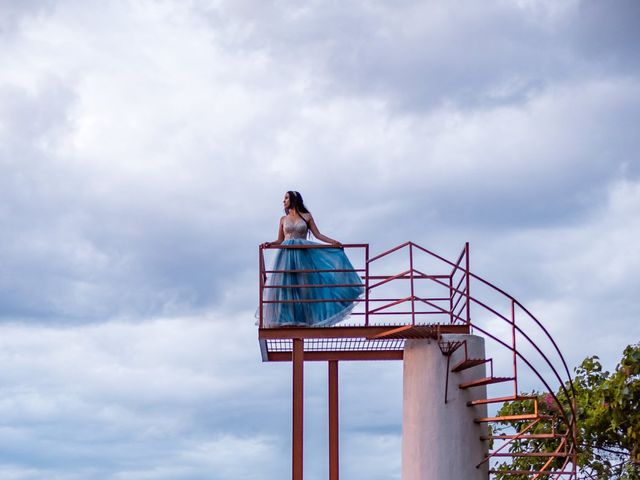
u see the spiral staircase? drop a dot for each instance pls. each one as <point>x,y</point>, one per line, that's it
<point>432,297</point>
<point>551,447</point>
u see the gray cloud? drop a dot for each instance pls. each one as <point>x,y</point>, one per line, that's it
<point>606,34</point>
<point>13,13</point>
<point>134,209</point>
<point>422,56</point>
<point>157,401</point>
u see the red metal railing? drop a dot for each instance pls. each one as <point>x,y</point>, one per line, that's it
<point>455,298</point>
<point>550,367</point>
<point>377,306</point>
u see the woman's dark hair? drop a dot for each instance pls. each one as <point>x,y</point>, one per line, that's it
<point>295,201</point>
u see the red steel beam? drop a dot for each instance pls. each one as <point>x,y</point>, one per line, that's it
<point>338,355</point>
<point>392,331</point>
<point>298,406</point>
<point>366,287</point>
<point>468,283</point>
<point>351,332</point>
<point>312,246</point>
<point>334,437</point>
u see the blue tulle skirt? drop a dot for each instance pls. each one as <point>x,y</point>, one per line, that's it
<point>337,302</point>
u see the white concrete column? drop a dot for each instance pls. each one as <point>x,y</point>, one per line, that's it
<point>441,441</point>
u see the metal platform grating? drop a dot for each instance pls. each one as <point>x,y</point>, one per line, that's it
<point>337,345</point>
<point>348,342</point>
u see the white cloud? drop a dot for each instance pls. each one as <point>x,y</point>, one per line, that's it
<point>580,279</point>
<point>144,149</point>
<point>144,393</point>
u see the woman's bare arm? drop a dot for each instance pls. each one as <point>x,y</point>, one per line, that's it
<point>280,235</point>
<point>316,233</point>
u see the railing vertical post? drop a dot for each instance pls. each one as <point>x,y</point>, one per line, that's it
<point>574,430</point>
<point>451,298</point>
<point>262,281</point>
<point>466,249</point>
<point>366,286</point>
<point>513,344</point>
<point>298,407</point>
<point>413,303</point>
<point>334,435</point>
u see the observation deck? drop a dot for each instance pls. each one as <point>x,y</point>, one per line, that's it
<point>395,307</point>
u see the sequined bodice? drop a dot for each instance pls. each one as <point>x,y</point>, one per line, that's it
<point>294,228</point>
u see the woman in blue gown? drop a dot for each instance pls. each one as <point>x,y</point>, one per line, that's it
<point>337,302</point>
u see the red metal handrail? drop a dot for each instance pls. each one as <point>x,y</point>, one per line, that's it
<point>569,419</point>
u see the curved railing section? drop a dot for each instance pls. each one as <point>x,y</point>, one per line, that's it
<point>531,346</point>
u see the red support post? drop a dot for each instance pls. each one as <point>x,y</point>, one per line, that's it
<point>298,406</point>
<point>451,298</point>
<point>366,286</point>
<point>468,282</point>
<point>262,282</point>
<point>334,432</point>
<point>413,302</point>
<point>513,344</point>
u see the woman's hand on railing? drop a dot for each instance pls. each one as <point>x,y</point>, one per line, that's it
<point>270,244</point>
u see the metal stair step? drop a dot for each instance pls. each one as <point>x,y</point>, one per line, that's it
<point>507,418</point>
<point>531,454</point>
<point>510,398</point>
<point>515,418</point>
<point>485,381</point>
<point>533,472</point>
<point>468,363</point>
<point>524,436</point>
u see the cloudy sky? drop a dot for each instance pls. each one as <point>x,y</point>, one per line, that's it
<point>144,149</point>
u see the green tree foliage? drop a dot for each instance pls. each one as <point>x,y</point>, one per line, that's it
<point>608,423</point>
